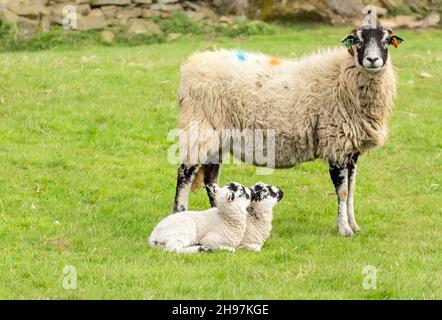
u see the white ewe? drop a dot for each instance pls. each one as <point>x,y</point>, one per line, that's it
<point>331,105</point>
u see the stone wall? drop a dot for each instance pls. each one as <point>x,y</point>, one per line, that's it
<point>31,16</point>
<point>337,11</point>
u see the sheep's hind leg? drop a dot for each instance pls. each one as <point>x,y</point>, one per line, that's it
<point>351,191</point>
<point>339,176</point>
<point>186,174</point>
<point>211,174</point>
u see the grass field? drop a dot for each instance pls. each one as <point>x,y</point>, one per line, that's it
<point>84,179</point>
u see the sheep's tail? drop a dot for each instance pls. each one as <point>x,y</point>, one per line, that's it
<point>198,181</point>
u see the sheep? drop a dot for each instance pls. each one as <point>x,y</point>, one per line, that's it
<point>259,219</point>
<point>331,105</point>
<point>220,228</point>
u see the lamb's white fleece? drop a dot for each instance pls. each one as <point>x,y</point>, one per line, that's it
<point>259,219</point>
<point>258,229</point>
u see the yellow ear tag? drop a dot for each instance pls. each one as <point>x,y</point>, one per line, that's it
<point>394,42</point>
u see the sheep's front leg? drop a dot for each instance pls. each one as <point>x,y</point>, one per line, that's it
<point>339,176</point>
<point>186,175</point>
<point>351,191</point>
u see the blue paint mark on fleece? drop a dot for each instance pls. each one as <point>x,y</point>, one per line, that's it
<point>241,55</point>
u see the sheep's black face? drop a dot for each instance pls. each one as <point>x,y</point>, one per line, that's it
<point>369,45</point>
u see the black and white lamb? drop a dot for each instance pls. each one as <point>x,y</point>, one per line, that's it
<point>259,220</point>
<point>220,228</point>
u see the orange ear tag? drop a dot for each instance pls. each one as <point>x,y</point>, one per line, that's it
<point>394,42</point>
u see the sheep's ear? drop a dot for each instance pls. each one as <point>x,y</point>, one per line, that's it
<point>349,40</point>
<point>230,196</point>
<point>394,40</point>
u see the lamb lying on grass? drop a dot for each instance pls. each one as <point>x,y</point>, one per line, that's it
<point>260,215</point>
<point>259,220</point>
<point>220,228</point>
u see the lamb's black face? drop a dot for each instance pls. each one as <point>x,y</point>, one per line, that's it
<point>261,192</point>
<point>239,190</point>
<point>369,45</point>
<point>231,192</point>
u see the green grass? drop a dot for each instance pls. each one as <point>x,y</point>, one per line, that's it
<point>84,179</point>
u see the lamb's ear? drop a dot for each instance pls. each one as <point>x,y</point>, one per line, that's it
<point>213,188</point>
<point>256,195</point>
<point>230,196</point>
<point>251,193</point>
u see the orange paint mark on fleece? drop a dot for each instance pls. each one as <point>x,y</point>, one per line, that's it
<point>274,61</point>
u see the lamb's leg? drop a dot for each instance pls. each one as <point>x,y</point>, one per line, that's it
<point>221,248</point>
<point>181,246</point>
<point>252,247</point>
<point>211,173</point>
<point>351,191</point>
<point>204,249</point>
<point>215,242</point>
<point>186,174</point>
<point>215,248</point>
<point>174,245</point>
<point>339,176</point>
<point>193,249</point>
